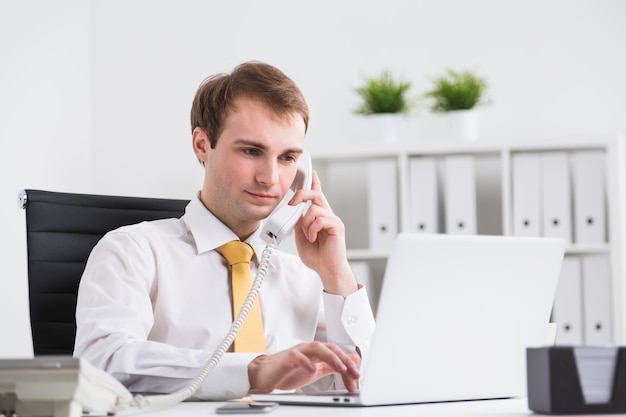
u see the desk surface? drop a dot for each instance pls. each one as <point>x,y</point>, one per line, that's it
<point>490,408</point>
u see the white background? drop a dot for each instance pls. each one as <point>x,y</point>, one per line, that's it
<point>95,95</point>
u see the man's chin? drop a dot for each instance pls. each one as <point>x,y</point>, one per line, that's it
<point>260,215</point>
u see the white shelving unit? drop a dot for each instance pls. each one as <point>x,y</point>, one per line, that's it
<point>343,172</point>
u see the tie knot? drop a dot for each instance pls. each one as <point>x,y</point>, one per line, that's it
<point>236,252</point>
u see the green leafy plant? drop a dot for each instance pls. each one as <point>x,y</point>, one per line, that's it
<point>457,90</point>
<point>384,94</point>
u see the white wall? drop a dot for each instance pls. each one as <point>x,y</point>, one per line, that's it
<point>45,131</point>
<point>95,95</point>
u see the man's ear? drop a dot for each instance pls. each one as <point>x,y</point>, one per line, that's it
<point>201,145</point>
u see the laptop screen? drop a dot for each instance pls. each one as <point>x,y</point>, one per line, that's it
<point>455,316</point>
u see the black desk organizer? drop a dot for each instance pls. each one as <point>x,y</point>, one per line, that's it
<point>554,385</point>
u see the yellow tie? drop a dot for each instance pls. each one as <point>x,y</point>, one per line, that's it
<point>250,337</point>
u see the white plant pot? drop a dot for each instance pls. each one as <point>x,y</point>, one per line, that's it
<point>462,124</point>
<point>385,127</point>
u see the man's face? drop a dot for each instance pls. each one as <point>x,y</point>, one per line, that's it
<point>252,165</point>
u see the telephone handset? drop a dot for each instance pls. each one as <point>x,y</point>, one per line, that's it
<point>284,217</point>
<point>88,388</point>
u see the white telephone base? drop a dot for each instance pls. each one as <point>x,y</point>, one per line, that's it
<point>57,386</point>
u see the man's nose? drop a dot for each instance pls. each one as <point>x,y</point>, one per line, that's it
<point>268,172</point>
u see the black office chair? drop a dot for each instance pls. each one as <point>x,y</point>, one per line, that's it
<point>62,228</point>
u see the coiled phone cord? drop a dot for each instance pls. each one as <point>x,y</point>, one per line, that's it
<point>186,392</point>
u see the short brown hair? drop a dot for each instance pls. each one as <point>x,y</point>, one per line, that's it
<point>256,80</point>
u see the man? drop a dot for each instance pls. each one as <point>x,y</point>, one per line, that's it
<point>155,298</point>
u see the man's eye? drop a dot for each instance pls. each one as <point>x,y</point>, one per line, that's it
<point>251,151</point>
<point>289,158</point>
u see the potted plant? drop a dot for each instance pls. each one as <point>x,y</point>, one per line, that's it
<point>384,99</point>
<point>457,94</point>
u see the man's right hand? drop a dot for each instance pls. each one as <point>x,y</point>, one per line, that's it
<point>302,365</point>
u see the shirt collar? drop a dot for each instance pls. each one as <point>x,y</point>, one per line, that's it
<point>209,232</point>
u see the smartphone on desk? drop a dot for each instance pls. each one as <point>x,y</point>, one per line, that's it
<point>247,408</point>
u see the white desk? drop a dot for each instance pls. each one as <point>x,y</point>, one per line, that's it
<point>491,408</point>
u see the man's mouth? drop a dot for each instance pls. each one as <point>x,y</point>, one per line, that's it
<point>262,197</point>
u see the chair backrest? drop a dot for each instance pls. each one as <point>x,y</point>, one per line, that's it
<point>62,229</point>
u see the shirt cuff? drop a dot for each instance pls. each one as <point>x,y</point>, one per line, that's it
<point>230,379</point>
<point>349,321</point>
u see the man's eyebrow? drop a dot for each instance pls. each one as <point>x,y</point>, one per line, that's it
<point>252,143</point>
<point>263,147</point>
<point>294,150</point>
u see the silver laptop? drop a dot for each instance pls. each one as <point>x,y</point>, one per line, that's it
<point>455,316</point>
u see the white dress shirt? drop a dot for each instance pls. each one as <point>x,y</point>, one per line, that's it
<point>155,301</point>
